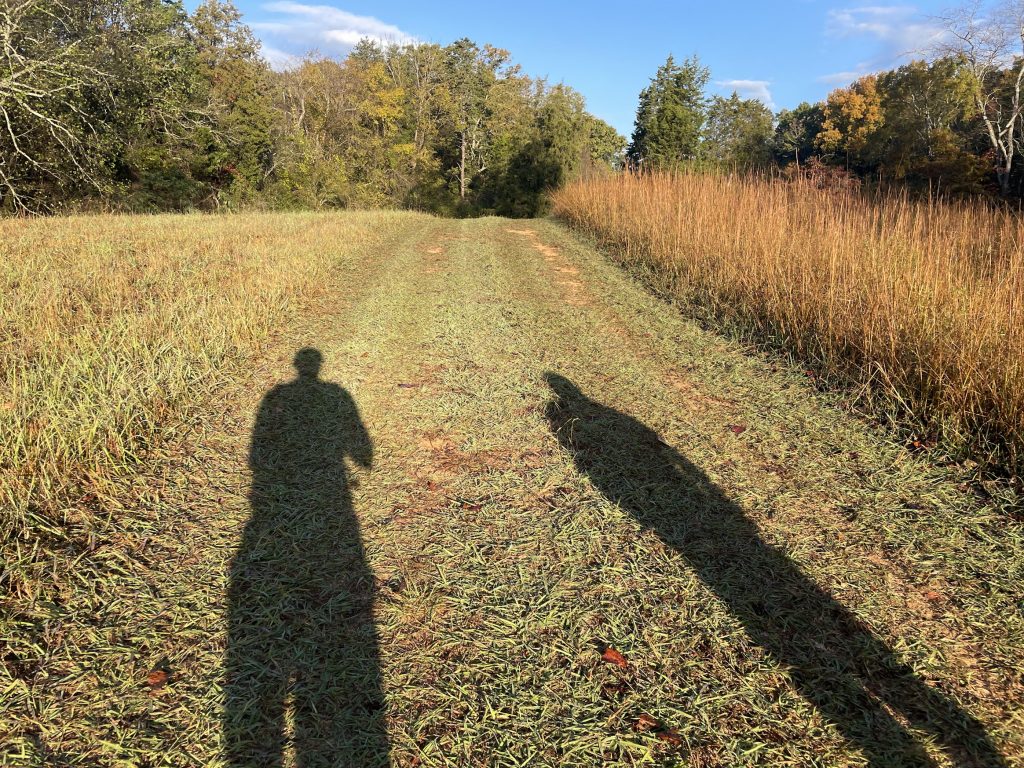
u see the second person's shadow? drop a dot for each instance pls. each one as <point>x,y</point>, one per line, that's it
<point>834,660</point>
<point>302,668</point>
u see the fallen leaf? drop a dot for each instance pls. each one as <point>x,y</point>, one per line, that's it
<point>645,723</point>
<point>612,656</point>
<point>614,690</point>
<point>671,735</point>
<point>157,679</point>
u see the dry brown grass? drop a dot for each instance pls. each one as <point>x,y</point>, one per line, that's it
<point>918,304</point>
<point>114,329</point>
<point>500,556</point>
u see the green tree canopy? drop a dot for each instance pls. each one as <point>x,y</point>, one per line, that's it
<point>739,132</point>
<point>670,117</point>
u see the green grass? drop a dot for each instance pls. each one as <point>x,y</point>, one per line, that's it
<point>506,535</point>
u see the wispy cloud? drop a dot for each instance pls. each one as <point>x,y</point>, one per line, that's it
<point>302,26</point>
<point>278,59</point>
<point>899,33</point>
<point>841,78</point>
<point>750,89</point>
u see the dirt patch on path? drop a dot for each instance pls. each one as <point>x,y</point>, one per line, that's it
<point>573,291</point>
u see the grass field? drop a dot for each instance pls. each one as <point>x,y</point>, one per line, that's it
<point>513,510</point>
<point>918,306</point>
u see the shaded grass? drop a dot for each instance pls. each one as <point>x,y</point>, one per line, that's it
<point>122,336</point>
<point>524,567</point>
<point>114,329</point>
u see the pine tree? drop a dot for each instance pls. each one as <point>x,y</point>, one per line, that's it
<point>240,112</point>
<point>670,116</point>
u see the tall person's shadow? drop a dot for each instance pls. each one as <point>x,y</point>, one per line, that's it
<point>302,668</point>
<point>836,662</point>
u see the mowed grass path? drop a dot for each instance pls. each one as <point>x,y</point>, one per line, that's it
<point>557,467</point>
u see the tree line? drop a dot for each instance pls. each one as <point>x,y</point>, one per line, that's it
<point>138,105</point>
<point>948,124</point>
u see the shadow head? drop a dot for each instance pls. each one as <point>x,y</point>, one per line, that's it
<point>562,387</point>
<point>308,362</point>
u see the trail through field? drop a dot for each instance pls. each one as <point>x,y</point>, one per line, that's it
<point>489,503</point>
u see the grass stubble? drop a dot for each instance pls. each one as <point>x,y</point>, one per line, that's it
<point>499,569</point>
<point>122,339</point>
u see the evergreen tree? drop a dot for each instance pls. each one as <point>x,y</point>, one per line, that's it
<point>670,117</point>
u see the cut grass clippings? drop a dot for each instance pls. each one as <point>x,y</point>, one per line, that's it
<point>533,573</point>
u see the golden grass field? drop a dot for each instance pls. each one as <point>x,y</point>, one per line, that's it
<point>527,513</point>
<point>919,304</point>
<point>114,328</point>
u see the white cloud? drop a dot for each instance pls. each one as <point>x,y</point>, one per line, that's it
<point>841,78</point>
<point>881,21</point>
<point>750,89</point>
<point>899,32</point>
<point>323,27</point>
<point>277,59</point>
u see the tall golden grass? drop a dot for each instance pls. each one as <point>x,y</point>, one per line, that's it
<point>114,330</point>
<point>918,304</point>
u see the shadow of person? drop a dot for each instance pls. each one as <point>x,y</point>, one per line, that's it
<point>302,671</point>
<point>835,661</point>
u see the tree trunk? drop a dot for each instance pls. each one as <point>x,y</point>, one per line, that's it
<point>1003,177</point>
<point>462,169</point>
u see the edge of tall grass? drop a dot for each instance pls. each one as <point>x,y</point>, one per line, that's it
<point>917,306</point>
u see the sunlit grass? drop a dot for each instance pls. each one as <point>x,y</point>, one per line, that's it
<point>114,329</point>
<point>919,304</point>
<point>495,564</point>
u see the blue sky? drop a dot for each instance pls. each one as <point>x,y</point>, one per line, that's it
<point>781,51</point>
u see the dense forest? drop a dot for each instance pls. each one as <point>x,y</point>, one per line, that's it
<point>949,124</point>
<point>137,105</point>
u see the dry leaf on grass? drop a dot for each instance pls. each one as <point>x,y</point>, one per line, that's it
<point>671,735</point>
<point>646,722</point>
<point>612,656</point>
<point>157,678</point>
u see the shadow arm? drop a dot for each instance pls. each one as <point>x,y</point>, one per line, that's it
<point>361,451</point>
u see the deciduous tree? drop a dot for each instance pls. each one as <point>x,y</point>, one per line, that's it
<point>851,117</point>
<point>989,42</point>
<point>739,132</point>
